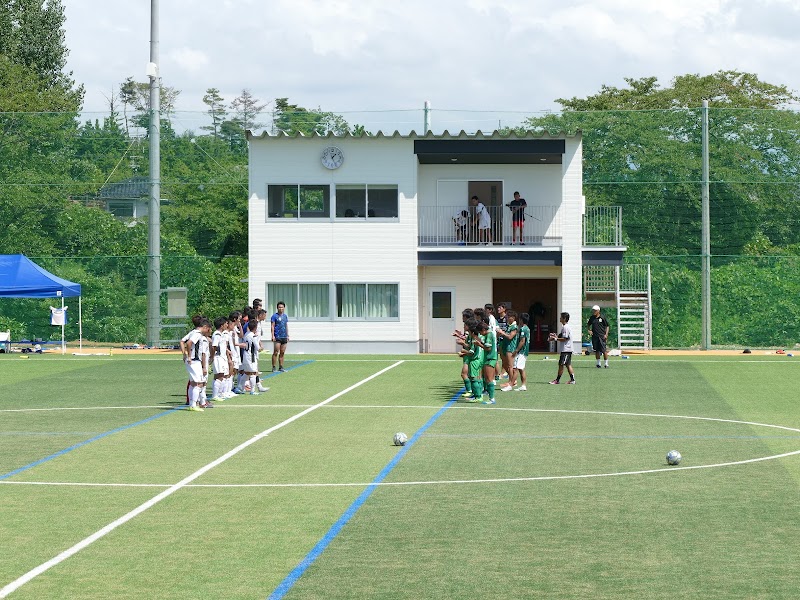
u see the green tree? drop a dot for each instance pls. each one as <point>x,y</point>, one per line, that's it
<point>292,119</point>
<point>216,110</point>
<point>246,107</point>
<point>32,34</point>
<point>642,150</point>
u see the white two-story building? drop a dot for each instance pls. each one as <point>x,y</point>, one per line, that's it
<point>366,240</point>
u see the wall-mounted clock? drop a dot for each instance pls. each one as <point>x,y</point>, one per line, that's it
<point>332,157</point>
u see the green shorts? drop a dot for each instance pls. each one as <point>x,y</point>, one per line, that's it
<point>475,369</point>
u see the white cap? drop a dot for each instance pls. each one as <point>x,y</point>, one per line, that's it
<point>595,307</point>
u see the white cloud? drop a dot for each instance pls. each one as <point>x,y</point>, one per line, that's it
<point>189,59</point>
<point>487,55</point>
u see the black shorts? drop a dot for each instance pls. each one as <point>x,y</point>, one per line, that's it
<point>565,359</point>
<point>599,344</point>
<point>282,341</point>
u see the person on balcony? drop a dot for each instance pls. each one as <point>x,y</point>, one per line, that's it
<point>517,206</point>
<point>460,222</point>
<point>483,220</point>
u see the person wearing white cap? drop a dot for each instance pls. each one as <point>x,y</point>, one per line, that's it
<point>598,330</point>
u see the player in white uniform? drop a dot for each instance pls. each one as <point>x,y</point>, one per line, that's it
<point>250,356</point>
<point>194,348</point>
<point>220,357</point>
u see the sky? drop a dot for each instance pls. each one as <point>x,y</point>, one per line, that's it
<point>480,63</point>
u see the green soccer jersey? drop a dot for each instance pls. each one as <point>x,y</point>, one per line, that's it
<point>511,343</point>
<point>490,340</point>
<point>525,337</point>
<point>476,361</point>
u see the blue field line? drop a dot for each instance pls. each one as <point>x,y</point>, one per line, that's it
<point>317,550</point>
<point>293,367</point>
<point>89,441</point>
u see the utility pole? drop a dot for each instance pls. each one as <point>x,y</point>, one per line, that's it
<point>154,213</point>
<point>706,234</point>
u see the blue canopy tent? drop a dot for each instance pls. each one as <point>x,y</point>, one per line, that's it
<point>20,277</point>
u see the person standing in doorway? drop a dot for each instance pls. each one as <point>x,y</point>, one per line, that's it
<point>280,335</point>
<point>484,221</point>
<point>598,329</point>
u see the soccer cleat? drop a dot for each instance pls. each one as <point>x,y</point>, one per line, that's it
<point>521,388</point>
<point>598,366</point>
<point>555,382</point>
<point>467,395</point>
<point>571,382</point>
<point>237,391</point>
<point>472,399</point>
<point>255,393</point>
<point>261,388</point>
<point>218,399</point>
<point>281,370</point>
<point>606,366</point>
<point>506,388</point>
<point>489,401</point>
<point>195,409</point>
<point>504,376</point>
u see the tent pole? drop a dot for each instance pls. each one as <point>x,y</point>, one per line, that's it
<point>80,323</point>
<point>64,320</point>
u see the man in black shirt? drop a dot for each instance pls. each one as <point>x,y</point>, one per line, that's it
<point>598,329</point>
<point>517,206</point>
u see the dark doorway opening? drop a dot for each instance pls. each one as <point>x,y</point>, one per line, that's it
<point>538,298</point>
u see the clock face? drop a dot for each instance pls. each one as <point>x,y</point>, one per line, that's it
<point>332,157</point>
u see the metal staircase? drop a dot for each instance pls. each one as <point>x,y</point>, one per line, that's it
<point>629,287</point>
<point>634,320</point>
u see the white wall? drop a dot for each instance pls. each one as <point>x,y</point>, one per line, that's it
<point>314,251</point>
<point>571,249</point>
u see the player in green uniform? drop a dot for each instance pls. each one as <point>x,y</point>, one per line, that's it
<point>464,339</point>
<point>475,357</point>
<point>509,339</point>
<point>521,352</point>
<point>488,342</point>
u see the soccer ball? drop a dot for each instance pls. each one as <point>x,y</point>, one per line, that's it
<point>400,439</point>
<point>673,457</point>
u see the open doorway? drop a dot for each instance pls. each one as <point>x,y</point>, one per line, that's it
<point>538,298</point>
<point>490,193</point>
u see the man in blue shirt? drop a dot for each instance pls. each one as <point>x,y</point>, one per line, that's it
<point>280,335</point>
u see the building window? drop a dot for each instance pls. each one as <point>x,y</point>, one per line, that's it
<point>312,301</point>
<point>121,210</point>
<point>370,201</point>
<point>382,201</point>
<point>367,301</point>
<point>298,201</point>
<point>304,301</point>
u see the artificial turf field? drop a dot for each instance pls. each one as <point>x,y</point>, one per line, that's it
<point>109,489</point>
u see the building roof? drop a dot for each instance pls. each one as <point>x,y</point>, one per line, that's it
<point>531,147</point>
<point>132,188</point>
<point>445,135</point>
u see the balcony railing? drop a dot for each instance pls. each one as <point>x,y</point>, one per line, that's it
<point>602,226</point>
<point>447,226</point>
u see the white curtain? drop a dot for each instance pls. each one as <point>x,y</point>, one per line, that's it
<point>382,298</point>
<point>314,301</point>
<point>352,298</point>
<point>282,292</point>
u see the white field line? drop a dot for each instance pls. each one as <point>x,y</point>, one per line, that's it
<point>416,483</point>
<point>462,481</point>
<point>33,573</point>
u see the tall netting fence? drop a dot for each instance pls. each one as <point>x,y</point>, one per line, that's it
<point>74,194</point>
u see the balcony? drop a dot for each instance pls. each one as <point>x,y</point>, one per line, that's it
<point>448,226</point>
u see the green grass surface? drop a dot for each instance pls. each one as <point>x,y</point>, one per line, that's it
<point>560,492</point>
